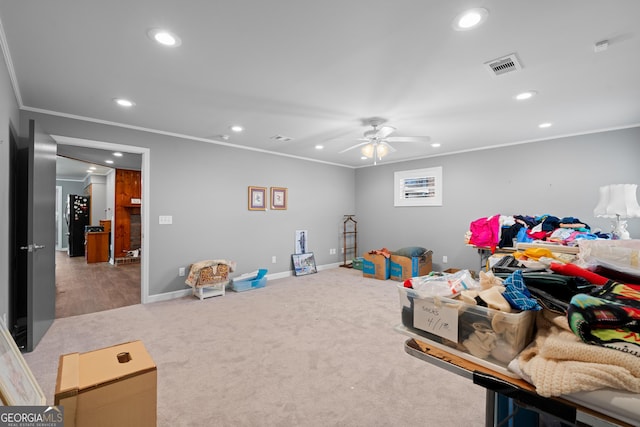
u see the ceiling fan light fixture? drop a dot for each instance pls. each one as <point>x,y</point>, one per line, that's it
<point>382,151</point>
<point>367,151</point>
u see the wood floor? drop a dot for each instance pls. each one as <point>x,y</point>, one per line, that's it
<point>86,288</point>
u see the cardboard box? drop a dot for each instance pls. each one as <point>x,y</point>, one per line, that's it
<point>375,266</point>
<point>112,386</point>
<point>402,268</point>
<point>452,323</point>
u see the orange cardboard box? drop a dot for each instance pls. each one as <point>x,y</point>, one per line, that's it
<point>402,268</point>
<point>112,386</point>
<point>375,266</point>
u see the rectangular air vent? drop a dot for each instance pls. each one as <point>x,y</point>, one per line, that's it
<point>504,65</point>
<point>281,138</point>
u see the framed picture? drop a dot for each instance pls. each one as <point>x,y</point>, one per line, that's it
<point>257,198</point>
<point>278,198</point>
<point>419,187</point>
<point>304,264</point>
<point>18,386</point>
<point>302,242</point>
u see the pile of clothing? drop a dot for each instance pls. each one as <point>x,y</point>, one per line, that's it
<point>589,343</point>
<point>505,230</point>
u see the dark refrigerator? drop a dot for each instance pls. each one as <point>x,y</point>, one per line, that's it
<point>77,216</point>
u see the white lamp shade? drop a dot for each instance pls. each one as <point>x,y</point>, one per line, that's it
<point>367,151</point>
<point>618,200</point>
<point>382,151</point>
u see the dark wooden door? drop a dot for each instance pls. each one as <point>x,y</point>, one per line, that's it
<point>34,216</point>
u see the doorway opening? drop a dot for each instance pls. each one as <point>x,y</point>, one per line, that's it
<point>89,287</point>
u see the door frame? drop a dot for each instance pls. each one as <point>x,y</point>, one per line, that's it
<point>59,217</point>
<point>144,209</point>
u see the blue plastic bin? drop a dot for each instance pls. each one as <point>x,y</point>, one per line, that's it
<point>248,283</point>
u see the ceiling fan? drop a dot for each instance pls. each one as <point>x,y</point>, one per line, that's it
<point>375,143</point>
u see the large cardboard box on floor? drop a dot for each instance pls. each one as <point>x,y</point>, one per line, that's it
<point>113,386</point>
<point>375,266</point>
<point>402,268</point>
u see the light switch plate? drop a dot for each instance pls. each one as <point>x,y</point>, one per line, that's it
<point>165,219</point>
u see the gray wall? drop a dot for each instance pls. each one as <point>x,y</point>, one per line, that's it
<point>68,187</point>
<point>204,188</point>
<point>98,197</point>
<point>560,177</point>
<point>8,117</point>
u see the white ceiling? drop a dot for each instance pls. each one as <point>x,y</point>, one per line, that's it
<point>313,70</point>
<point>74,162</point>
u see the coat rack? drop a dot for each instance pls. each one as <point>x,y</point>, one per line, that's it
<point>349,240</point>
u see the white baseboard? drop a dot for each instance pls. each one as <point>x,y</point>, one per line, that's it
<point>182,293</point>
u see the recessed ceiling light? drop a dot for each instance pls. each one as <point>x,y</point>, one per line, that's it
<point>109,162</point>
<point>363,158</point>
<point>164,37</point>
<point>89,171</point>
<point>319,147</point>
<point>544,125</point>
<point>117,154</point>
<point>526,95</point>
<point>236,128</point>
<point>470,19</point>
<point>124,102</point>
<point>435,145</point>
<point>92,168</point>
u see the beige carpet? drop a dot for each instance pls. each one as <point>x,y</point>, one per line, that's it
<point>316,350</point>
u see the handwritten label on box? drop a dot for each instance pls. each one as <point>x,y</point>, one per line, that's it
<point>436,319</point>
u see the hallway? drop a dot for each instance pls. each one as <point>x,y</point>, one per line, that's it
<point>86,288</point>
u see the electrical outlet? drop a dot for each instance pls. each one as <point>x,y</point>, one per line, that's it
<point>273,259</point>
<point>444,259</point>
<point>181,271</point>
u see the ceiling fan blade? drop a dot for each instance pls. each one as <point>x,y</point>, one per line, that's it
<point>409,139</point>
<point>384,131</point>
<point>354,146</point>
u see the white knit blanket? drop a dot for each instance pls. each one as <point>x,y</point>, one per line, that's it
<point>559,363</point>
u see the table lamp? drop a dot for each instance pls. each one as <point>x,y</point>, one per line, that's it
<point>618,201</point>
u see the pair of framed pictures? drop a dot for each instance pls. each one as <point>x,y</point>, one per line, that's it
<point>258,198</point>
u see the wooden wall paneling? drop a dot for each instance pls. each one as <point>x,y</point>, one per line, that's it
<point>128,186</point>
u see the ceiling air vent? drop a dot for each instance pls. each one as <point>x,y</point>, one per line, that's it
<point>504,65</point>
<point>281,138</point>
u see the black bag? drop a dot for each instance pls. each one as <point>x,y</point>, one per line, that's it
<point>508,264</point>
<point>553,291</point>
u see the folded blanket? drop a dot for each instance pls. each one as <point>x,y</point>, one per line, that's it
<point>207,272</point>
<point>558,363</point>
<point>609,317</point>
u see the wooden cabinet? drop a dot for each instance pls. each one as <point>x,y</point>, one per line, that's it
<point>96,246</point>
<point>128,187</point>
